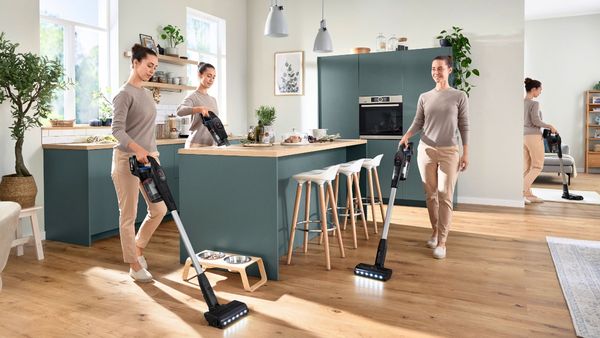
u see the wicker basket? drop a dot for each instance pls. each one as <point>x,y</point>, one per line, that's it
<point>62,123</point>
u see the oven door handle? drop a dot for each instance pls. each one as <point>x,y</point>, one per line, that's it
<point>380,105</point>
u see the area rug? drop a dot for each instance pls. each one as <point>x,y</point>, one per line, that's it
<point>577,264</point>
<point>554,195</point>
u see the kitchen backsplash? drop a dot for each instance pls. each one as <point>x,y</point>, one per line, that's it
<point>80,134</point>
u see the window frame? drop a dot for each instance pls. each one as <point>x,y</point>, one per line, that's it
<point>69,28</point>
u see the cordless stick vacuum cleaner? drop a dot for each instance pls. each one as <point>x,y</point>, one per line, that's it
<point>216,128</point>
<point>154,181</point>
<point>377,270</point>
<point>555,144</point>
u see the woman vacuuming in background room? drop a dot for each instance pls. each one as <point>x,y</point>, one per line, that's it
<point>533,143</point>
<point>199,102</point>
<point>440,112</point>
<point>134,127</point>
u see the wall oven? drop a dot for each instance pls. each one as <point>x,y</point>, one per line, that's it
<point>380,117</point>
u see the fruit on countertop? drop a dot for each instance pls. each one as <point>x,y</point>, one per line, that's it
<point>293,139</point>
<point>101,139</point>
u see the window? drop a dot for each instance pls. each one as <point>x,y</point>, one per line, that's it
<point>76,32</point>
<point>206,43</point>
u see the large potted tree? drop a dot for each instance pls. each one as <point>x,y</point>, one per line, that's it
<point>28,82</point>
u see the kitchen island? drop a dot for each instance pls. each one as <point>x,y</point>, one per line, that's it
<point>240,199</point>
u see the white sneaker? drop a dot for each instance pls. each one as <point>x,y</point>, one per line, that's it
<point>142,261</point>
<point>439,252</point>
<point>142,275</point>
<point>432,243</point>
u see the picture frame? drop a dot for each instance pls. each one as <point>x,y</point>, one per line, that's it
<point>288,73</point>
<point>147,41</point>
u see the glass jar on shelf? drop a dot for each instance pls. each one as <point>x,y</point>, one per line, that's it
<point>392,43</point>
<point>380,45</point>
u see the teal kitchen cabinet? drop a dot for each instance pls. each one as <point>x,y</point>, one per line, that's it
<point>380,74</point>
<point>80,203</point>
<point>338,94</point>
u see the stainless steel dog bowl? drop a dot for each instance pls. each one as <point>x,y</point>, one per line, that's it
<point>237,259</point>
<point>208,254</point>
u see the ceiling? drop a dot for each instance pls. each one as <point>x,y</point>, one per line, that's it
<point>544,9</point>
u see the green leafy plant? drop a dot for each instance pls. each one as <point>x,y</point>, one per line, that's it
<point>461,51</point>
<point>596,86</point>
<point>172,34</point>
<point>105,107</point>
<point>266,115</point>
<point>28,81</point>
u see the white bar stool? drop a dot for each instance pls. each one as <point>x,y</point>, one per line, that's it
<point>371,164</point>
<point>351,170</point>
<point>35,229</point>
<point>320,178</point>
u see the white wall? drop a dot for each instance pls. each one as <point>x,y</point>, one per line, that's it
<point>21,25</point>
<point>495,173</point>
<point>563,54</point>
<point>146,17</point>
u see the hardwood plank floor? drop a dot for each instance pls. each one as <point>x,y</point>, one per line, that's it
<point>498,280</point>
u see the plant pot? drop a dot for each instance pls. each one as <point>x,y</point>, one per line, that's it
<point>18,189</point>
<point>171,51</point>
<point>445,43</point>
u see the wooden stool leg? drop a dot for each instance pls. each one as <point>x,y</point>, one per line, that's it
<point>19,234</point>
<point>379,195</point>
<point>306,216</point>
<point>372,198</point>
<point>186,269</point>
<point>351,205</point>
<point>347,210</point>
<point>294,221</point>
<point>335,219</point>
<point>360,205</point>
<point>324,225</point>
<point>37,237</point>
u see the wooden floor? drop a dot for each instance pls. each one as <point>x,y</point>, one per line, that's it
<point>498,280</point>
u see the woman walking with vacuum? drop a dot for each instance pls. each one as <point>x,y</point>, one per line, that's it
<point>533,143</point>
<point>134,128</point>
<point>200,103</point>
<point>440,113</point>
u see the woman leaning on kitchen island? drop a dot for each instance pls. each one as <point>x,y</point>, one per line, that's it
<point>199,102</point>
<point>134,128</point>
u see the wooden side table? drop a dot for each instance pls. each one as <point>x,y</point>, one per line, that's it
<point>35,229</point>
<point>239,268</point>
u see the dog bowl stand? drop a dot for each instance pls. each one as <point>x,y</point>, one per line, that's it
<point>239,268</point>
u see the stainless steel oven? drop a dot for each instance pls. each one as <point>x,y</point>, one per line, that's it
<point>380,117</point>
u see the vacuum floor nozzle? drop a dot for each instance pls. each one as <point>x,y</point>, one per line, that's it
<point>373,271</point>
<point>222,316</point>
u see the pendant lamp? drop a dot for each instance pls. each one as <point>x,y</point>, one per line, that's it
<point>276,26</point>
<point>323,40</point>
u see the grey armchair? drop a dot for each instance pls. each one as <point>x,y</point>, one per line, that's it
<point>9,217</point>
<point>552,164</point>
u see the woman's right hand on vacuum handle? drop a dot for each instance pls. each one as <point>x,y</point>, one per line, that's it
<point>553,130</point>
<point>404,139</point>
<point>141,154</point>
<point>201,110</point>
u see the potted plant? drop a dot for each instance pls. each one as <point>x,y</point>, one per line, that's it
<point>596,86</point>
<point>28,81</point>
<point>172,34</point>
<point>266,116</point>
<point>105,108</point>
<point>461,49</point>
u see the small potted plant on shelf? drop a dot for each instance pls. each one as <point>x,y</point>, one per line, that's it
<point>172,35</point>
<point>28,81</point>
<point>461,49</point>
<point>265,132</point>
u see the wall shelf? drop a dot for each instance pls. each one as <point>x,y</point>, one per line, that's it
<point>167,86</point>
<point>176,60</point>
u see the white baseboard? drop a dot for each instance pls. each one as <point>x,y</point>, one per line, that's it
<point>491,201</point>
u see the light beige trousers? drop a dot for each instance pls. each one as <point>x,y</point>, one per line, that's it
<point>128,188</point>
<point>533,161</point>
<point>439,171</point>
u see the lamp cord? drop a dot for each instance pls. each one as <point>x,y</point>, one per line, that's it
<point>322,9</point>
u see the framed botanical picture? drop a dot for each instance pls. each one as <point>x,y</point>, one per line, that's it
<point>289,73</point>
<point>147,41</point>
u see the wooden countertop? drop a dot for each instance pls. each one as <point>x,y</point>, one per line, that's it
<point>95,146</point>
<point>276,150</point>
